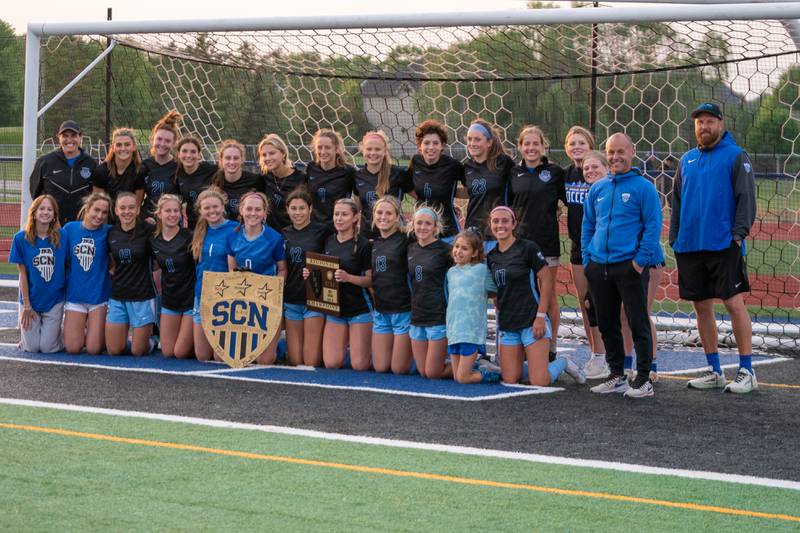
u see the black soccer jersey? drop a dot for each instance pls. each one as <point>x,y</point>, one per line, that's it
<point>514,272</point>
<point>576,190</point>
<point>129,181</point>
<point>354,258</point>
<point>191,185</point>
<point>390,273</point>
<point>436,185</point>
<point>236,189</point>
<point>327,186</point>
<point>365,184</point>
<point>177,269</point>
<point>158,180</point>
<point>298,243</point>
<point>487,189</point>
<point>132,280</point>
<point>427,269</point>
<point>277,190</point>
<point>534,197</point>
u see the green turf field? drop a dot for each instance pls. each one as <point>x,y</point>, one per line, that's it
<point>177,476</point>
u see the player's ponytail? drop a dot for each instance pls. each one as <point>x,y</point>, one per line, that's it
<point>169,122</point>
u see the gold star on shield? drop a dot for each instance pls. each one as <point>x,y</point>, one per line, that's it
<point>220,288</point>
<point>242,287</point>
<point>263,291</point>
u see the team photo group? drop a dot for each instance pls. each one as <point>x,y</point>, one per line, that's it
<point>112,257</point>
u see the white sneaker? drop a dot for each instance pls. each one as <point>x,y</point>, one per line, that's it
<point>709,380</point>
<point>617,384</point>
<point>640,388</point>
<point>574,370</point>
<point>596,367</point>
<point>745,382</point>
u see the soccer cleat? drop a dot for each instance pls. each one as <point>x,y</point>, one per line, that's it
<point>709,380</point>
<point>745,382</point>
<point>617,384</point>
<point>640,388</point>
<point>573,370</point>
<point>596,367</point>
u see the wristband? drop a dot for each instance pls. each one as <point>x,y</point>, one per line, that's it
<point>541,315</point>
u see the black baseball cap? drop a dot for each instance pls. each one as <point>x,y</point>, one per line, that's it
<point>69,125</point>
<point>708,107</point>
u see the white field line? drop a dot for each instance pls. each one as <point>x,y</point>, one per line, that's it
<point>395,443</point>
<point>770,361</point>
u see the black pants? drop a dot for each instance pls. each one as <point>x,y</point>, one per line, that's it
<point>610,286</point>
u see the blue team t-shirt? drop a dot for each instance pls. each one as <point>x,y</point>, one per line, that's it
<point>259,255</point>
<point>45,268</point>
<point>214,255</point>
<point>467,293</point>
<point>88,281</point>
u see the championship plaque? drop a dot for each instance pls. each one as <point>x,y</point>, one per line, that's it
<point>322,289</point>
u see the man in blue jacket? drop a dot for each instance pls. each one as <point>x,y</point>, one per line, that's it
<point>620,238</point>
<point>713,208</point>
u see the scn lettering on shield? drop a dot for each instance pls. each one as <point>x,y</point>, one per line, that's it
<point>239,312</point>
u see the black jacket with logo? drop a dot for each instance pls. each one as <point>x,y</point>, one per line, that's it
<point>53,175</point>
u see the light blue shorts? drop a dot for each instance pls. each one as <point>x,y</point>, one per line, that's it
<point>466,348</point>
<point>137,314</point>
<point>170,312</point>
<point>391,323</point>
<point>363,318</point>
<point>428,333</point>
<point>299,312</point>
<point>524,336</point>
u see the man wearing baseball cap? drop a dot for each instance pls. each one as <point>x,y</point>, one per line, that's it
<point>713,208</point>
<point>66,172</point>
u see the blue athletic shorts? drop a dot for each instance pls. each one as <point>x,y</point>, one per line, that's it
<point>363,318</point>
<point>137,314</point>
<point>170,312</point>
<point>299,312</point>
<point>196,309</point>
<point>428,333</point>
<point>391,323</point>
<point>466,348</point>
<point>524,336</point>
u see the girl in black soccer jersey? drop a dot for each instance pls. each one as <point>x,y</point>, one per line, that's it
<point>378,177</point>
<point>303,326</point>
<point>486,177</point>
<point>536,188</point>
<point>193,175</point>
<point>520,273</point>
<point>121,168</point>
<point>280,178</point>
<point>428,261</point>
<point>159,169</point>
<point>172,254</point>
<point>329,176</point>
<point>232,178</point>
<point>132,305</point>
<point>391,345</point>
<point>436,175</point>
<point>354,323</point>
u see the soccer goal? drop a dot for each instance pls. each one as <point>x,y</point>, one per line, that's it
<point>640,70</point>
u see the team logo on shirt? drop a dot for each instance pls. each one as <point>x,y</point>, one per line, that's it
<point>86,173</point>
<point>45,263</point>
<point>241,314</point>
<point>747,167</point>
<point>625,197</point>
<point>84,253</point>
<point>545,176</point>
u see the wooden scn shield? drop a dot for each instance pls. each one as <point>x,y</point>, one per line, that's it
<point>241,314</point>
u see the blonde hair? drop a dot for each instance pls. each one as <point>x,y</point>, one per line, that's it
<point>579,130</point>
<point>395,203</point>
<point>342,159</point>
<point>168,122</point>
<point>276,142</point>
<point>261,196</point>
<point>110,159</point>
<point>531,129</point>
<point>163,199</point>
<point>438,226</point>
<point>382,187</point>
<point>52,229</point>
<point>219,178</point>
<point>594,154</point>
<point>202,226</point>
<point>90,200</point>
<point>496,145</point>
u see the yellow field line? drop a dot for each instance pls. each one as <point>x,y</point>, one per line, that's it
<point>406,474</point>
<point>760,383</point>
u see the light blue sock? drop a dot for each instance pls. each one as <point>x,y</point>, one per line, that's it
<point>713,361</point>
<point>556,367</point>
<point>746,361</point>
<point>654,367</point>
<point>628,362</point>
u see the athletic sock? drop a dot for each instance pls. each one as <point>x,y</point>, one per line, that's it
<point>601,355</point>
<point>654,367</point>
<point>713,361</point>
<point>628,362</point>
<point>746,361</point>
<point>556,367</point>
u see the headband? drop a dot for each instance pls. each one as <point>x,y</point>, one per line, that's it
<point>480,128</point>
<point>375,136</point>
<point>504,209</point>
<point>427,211</point>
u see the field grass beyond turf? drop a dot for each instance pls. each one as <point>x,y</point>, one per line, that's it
<point>79,471</point>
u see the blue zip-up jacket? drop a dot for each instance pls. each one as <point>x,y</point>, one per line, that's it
<point>713,200</point>
<point>622,221</point>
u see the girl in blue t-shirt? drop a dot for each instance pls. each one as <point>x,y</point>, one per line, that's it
<point>40,255</point>
<point>88,280</point>
<point>210,250</point>
<point>256,247</point>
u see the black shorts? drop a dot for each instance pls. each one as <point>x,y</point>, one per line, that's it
<point>575,256</point>
<point>706,275</point>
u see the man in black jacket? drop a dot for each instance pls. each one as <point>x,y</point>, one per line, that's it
<point>65,173</point>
